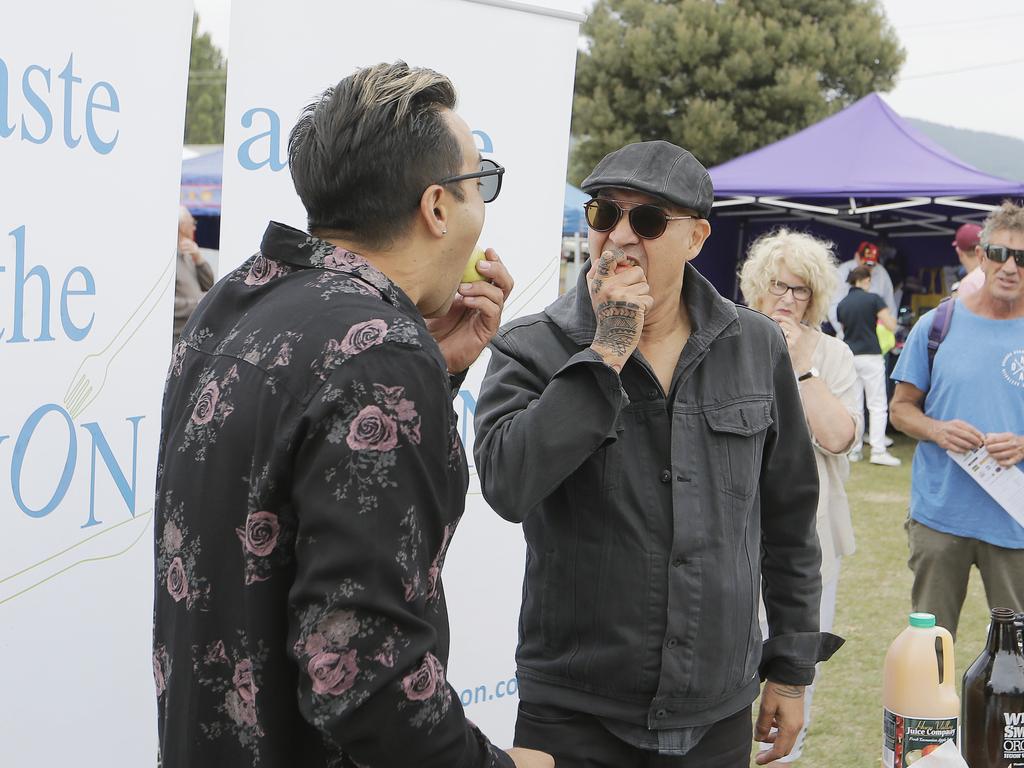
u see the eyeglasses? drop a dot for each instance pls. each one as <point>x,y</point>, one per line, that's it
<point>1000,253</point>
<point>646,221</point>
<point>800,292</point>
<point>490,175</point>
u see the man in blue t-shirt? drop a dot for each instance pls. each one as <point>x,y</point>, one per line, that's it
<point>973,396</point>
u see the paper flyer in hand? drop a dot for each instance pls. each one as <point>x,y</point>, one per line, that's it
<point>1004,484</point>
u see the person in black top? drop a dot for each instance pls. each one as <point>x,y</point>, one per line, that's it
<point>860,312</point>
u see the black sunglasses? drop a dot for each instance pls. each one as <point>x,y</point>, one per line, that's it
<point>1000,253</point>
<point>490,174</point>
<point>646,221</point>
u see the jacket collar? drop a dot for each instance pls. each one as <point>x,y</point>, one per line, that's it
<point>711,315</point>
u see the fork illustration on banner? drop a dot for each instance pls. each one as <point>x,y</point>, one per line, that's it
<point>89,379</point>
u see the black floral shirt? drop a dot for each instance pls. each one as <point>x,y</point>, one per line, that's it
<point>311,477</point>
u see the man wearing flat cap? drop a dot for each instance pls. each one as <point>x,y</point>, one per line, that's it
<point>649,436</point>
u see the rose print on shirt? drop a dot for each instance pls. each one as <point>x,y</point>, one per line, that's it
<point>421,684</point>
<point>177,557</point>
<point>426,689</point>
<point>212,408</point>
<point>434,572</point>
<point>233,676</point>
<point>206,406</point>
<point>259,537</point>
<point>376,433</point>
<point>344,260</point>
<point>372,430</point>
<point>177,357</point>
<point>177,580</point>
<point>362,336</point>
<point>333,673</point>
<point>161,669</point>
<point>262,271</point>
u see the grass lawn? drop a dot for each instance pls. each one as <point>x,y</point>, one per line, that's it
<point>872,608</point>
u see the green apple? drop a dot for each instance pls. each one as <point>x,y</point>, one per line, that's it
<point>470,274</point>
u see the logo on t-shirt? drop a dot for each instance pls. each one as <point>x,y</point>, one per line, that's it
<point>1013,367</point>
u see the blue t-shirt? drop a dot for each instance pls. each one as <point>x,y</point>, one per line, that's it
<point>978,377</point>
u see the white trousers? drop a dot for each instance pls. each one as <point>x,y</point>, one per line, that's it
<point>827,617</point>
<point>871,371</point>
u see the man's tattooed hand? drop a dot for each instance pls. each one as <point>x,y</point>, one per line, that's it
<point>619,324</point>
<point>620,298</point>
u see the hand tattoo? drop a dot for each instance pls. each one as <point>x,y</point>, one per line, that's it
<point>618,326</point>
<point>595,288</point>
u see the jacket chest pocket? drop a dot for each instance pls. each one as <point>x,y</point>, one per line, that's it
<point>738,432</point>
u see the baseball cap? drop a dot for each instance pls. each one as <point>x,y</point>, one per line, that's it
<point>967,237</point>
<point>868,252</point>
<point>656,168</point>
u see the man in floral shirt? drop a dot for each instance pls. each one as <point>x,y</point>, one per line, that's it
<point>311,473</point>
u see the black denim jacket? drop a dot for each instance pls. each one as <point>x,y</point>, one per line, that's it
<point>651,519</point>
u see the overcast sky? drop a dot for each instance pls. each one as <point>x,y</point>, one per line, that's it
<point>964,67</point>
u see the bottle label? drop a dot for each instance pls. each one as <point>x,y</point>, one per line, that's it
<point>1013,738</point>
<point>908,739</point>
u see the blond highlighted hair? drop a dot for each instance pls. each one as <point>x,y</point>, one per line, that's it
<point>807,257</point>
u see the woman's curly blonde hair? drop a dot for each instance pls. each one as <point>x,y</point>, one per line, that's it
<point>807,257</point>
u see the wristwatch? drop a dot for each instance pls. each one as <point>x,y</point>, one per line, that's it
<point>812,372</point>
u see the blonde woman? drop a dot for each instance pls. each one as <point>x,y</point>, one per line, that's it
<point>790,276</point>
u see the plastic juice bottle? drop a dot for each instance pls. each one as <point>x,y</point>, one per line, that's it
<point>994,699</point>
<point>921,708</point>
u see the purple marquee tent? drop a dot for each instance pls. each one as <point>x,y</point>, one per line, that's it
<point>861,174</point>
<point>866,150</point>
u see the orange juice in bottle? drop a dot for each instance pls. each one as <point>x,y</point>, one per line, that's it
<point>921,706</point>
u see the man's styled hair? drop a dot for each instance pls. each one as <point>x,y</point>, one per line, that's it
<point>362,154</point>
<point>807,257</point>
<point>1007,216</point>
<point>857,274</point>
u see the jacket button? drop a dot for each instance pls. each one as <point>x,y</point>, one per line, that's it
<point>653,394</point>
<point>678,562</point>
<point>666,475</point>
<point>660,714</point>
<point>671,642</point>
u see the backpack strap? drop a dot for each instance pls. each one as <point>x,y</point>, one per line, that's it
<point>940,327</point>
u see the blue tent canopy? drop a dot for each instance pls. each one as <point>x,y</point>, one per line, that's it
<point>201,183</point>
<point>573,220</point>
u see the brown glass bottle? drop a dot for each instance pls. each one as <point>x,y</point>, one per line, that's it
<point>993,699</point>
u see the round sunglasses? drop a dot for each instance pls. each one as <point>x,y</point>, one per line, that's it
<point>490,175</point>
<point>647,221</point>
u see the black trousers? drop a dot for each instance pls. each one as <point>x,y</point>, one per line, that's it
<point>578,740</point>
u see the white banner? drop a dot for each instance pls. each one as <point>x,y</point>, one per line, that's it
<point>92,99</point>
<point>513,66</point>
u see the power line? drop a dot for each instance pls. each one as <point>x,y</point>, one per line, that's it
<point>963,69</point>
<point>976,19</point>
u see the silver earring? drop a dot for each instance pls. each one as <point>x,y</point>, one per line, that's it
<point>444,231</point>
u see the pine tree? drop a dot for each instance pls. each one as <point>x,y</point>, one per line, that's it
<point>207,86</point>
<point>722,77</point>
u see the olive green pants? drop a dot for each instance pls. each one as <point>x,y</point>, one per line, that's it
<point>942,564</point>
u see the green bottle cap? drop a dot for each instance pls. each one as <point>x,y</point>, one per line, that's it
<point>924,620</point>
